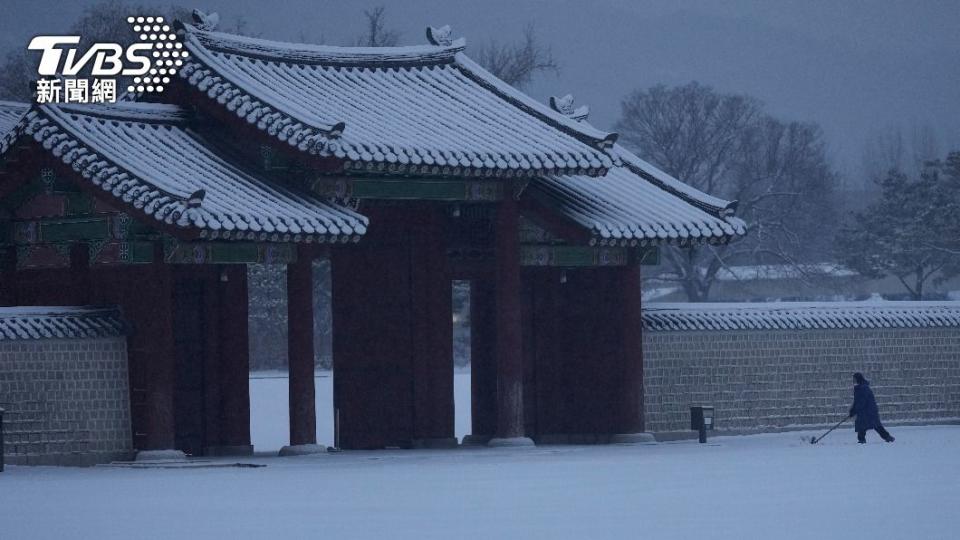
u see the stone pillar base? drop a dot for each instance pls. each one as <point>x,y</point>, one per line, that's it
<point>234,450</point>
<point>441,442</point>
<point>302,450</point>
<point>475,440</point>
<point>161,455</point>
<point>633,438</point>
<point>510,442</point>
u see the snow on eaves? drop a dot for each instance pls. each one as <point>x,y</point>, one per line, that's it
<point>637,204</point>
<point>799,315</point>
<point>146,156</point>
<point>411,110</point>
<point>27,323</point>
<point>11,112</point>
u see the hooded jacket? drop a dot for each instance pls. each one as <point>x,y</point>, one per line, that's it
<point>864,407</point>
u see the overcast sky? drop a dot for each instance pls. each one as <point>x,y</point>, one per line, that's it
<point>854,67</point>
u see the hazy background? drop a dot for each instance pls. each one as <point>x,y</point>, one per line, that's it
<point>856,68</point>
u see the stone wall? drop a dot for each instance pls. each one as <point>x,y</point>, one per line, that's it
<point>776,379</point>
<point>66,400</point>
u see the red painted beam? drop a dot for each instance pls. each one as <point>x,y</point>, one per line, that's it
<point>553,222</point>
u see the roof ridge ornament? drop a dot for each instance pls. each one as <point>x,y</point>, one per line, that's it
<point>609,140</point>
<point>206,21</point>
<point>441,37</point>
<point>196,198</point>
<point>564,106</point>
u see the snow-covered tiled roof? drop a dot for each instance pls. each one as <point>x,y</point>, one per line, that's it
<point>10,114</point>
<point>146,156</point>
<point>413,110</point>
<point>58,322</point>
<point>783,271</point>
<point>799,315</point>
<point>636,203</point>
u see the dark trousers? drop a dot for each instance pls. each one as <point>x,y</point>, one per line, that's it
<point>881,431</point>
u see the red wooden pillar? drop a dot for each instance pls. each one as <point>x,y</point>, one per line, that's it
<point>545,355</point>
<point>630,426</point>
<point>154,338</point>
<point>234,363</point>
<point>509,342</point>
<point>300,356</point>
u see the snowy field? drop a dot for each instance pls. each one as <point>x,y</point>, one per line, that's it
<point>761,486</point>
<point>269,412</point>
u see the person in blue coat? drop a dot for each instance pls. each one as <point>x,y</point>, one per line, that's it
<point>865,409</point>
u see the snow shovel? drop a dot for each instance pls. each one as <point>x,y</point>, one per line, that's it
<point>815,440</point>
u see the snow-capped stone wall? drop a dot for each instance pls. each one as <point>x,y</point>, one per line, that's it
<point>66,398</point>
<point>768,375</point>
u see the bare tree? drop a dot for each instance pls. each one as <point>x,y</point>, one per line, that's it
<point>376,33</point>
<point>16,71</point>
<point>241,26</point>
<point>895,150</point>
<point>517,63</point>
<point>725,145</point>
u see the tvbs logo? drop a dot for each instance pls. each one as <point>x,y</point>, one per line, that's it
<point>150,62</point>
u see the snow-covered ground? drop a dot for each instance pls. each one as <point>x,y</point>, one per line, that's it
<point>761,486</point>
<point>269,412</point>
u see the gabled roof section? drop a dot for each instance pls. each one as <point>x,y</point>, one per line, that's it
<point>799,315</point>
<point>637,204</point>
<point>426,110</point>
<point>59,322</point>
<point>11,112</point>
<point>145,156</point>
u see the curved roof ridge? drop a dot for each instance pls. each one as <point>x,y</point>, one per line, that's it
<point>410,110</point>
<point>604,139</point>
<point>305,53</point>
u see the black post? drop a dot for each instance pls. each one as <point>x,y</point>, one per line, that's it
<point>703,433</point>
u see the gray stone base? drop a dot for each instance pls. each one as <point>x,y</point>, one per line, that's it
<point>74,459</point>
<point>633,438</point>
<point>302,450</point>
<point>475,440</point>
<point>161,455</point>
<point>235,450</point>
<point>573,438</point>
<point>444,442</point>
<point>510,442</point>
